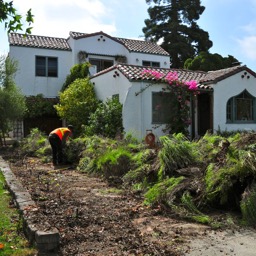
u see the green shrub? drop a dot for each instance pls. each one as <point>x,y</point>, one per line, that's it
<point>138,175</point>
<point>208,146</point>
<point>73,150</point>
<point>162,192</point>
<point>248,205</point>
<point>115,162</point>
<point>106,120</point>
<point>222,182</point>
<point>34,143</point>
<point>95,147</point>
<point>176,152</point>
<point>193,212</point>
<point>77,102</point>
<point>38,106</point>
<point>77,71</point>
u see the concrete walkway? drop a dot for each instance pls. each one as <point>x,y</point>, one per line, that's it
<point>228,242</point>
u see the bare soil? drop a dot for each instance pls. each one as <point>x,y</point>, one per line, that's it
<point>96,219</point>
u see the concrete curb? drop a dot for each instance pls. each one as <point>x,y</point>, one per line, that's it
<point>47,242</point>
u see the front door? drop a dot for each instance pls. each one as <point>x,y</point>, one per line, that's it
<point>204,113</point>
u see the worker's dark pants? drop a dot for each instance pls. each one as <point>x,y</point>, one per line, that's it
<point>57,154</point>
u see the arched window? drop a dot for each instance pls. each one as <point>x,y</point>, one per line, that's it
<point>241,108</point>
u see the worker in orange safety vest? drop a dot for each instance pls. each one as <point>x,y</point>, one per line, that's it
<point>57,139</point>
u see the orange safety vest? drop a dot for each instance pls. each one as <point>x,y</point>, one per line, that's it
<point>60,132</point>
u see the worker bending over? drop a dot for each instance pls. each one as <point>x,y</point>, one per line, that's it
<point>57,139</point>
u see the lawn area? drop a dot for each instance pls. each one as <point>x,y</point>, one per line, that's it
<point>12,240</point>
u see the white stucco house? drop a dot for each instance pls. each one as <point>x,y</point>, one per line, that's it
<point>44,62</point>
<point>226,102</point>
<point>227,99</point>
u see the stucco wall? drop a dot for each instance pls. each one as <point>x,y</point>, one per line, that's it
<point>99,44</point>
<point>107,47</point>
<point>25,77</point>
<point>107,85</point>
<point>137,58</point>
<point>223,91</point>
<point>137,110</point>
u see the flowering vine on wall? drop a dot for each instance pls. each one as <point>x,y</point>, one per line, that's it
<point>179,107</point>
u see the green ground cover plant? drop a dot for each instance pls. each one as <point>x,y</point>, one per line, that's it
<point>248,208</point>
<point>189,177</point>
<point>12,240</point>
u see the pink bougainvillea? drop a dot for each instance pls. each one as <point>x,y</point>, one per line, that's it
<point>192,85</point>
<point>152,74</point>
<point>182,90</point>
<point>171,77</point>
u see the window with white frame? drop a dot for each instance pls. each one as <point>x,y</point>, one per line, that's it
<point>164,105</point>
<point>150,64</point>
<point>101,64</point>
<point>46,66</point>
<point>241,108</point>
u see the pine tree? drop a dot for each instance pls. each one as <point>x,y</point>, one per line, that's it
<point>206,61</point>
<point>174,23</point>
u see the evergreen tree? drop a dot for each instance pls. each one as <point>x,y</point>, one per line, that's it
<point>174,23</point>
<point>206,61</point>
<point>12,102</point>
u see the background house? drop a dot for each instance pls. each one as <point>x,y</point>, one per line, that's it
<point>44,63</point>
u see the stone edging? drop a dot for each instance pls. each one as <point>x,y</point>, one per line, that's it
<point>47,242</point>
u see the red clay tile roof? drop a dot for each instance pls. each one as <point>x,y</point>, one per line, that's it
<point>142,46</point>
<point>54,43</point>
<point>131,44</point>
<point>218,75</point>
<point>134,73</point>
<point>205,80</point>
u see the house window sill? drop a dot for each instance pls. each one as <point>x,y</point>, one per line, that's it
<point>241,122</point>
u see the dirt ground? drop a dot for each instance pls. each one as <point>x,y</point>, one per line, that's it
<point>95,219</point>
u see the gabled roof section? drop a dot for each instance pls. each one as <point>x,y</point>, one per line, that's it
<point>142,46</point>
<point>215,76</point>
<point>135,73</point>
<point>45,42</point>
<point>79,35</point>
<point>205,80</point>
<point>132,45</point>
<point>55,43</point>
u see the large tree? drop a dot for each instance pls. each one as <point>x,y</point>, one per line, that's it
<point>12,102</point>
<point>173,22</point>
<point>12,19</point>
<point>206,61</point>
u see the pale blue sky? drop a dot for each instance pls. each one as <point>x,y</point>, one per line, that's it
<point>231,24</point>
